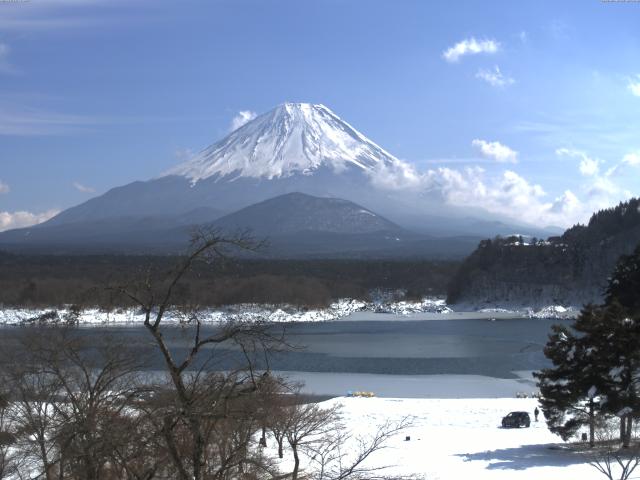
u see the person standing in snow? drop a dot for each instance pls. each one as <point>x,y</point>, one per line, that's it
<point>536,412</point>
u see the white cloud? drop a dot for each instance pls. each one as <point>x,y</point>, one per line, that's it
<point>589,167</point>
<point>508,194</point>
<point>566,205</point>
<point>634,85</point>
<point>513,196</point>
<point>399,175</point>
<point>494,77</point>
<point>470,46</point>
<point>20,219</point>
<point>4,188</point>
<point>602,187</point>
<point>632,159</point>
<point>496,151</point>
<point>83,188</point>
<point>241,118</point>
<point>602,190</point>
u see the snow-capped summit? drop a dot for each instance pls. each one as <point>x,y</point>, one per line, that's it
<point>293,138</point>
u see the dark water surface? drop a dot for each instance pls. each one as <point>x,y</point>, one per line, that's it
<point>397,347</point>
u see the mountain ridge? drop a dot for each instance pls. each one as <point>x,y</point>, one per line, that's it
<point>298,212</point>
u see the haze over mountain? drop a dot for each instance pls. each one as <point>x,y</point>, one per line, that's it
<point>296,147</point>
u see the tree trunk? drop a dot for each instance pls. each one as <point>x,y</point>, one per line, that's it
<point>198,449</point>
<point>263,439</point>
<point>60,467</point>
<point>296,463</point>
<point>48,468</point>
<point>626,424</point>
<point>280,450</point>
<point>173,450</point>
<point>592,424</point>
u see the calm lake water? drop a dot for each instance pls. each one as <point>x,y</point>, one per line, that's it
<point>379,352</point>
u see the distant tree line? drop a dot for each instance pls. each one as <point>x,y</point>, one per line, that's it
<point>55,280</point>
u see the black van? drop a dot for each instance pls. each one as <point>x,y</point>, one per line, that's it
<point>516,420</point>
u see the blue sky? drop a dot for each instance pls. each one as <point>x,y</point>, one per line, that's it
<point>528,109</point>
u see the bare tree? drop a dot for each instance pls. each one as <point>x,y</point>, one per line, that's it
<point>278,422</point>
<point>608,456</point>
<point>69,400</point>
<point>306,425</point>
<point>33,419</point>
<point>333,460</point>
<point>319,434</point>
<point>197,404</point>
<point>8,460</point>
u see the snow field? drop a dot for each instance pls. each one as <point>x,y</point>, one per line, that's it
<point>462,439</point>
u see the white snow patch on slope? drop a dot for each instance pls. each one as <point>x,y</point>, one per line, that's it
<point>292,138</point>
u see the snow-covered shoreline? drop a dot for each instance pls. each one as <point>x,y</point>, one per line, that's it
<point>344,309</point>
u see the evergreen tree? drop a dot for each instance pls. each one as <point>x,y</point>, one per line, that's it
<point>624,285</point>
<point>571,389</point>
<point>596,362</point>
<point>620,353</point>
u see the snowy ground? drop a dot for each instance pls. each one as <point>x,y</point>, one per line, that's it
<point>461,439</point>
<point>244,312</point>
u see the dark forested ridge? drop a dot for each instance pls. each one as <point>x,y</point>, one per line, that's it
<point>568,269</point>
<point>53,280</point>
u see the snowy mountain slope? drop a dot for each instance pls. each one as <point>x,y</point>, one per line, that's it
<point>292,138</point>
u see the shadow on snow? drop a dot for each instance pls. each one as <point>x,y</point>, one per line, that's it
<point>526,456</point>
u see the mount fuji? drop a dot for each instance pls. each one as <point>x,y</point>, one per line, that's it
<point>293,138</point>
<point>296,147</point>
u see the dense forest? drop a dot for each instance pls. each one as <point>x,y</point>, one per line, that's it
<point>569,269</point>
<point>54,280</point>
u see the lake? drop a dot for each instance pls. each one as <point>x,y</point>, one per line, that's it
<point>390,355</point>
